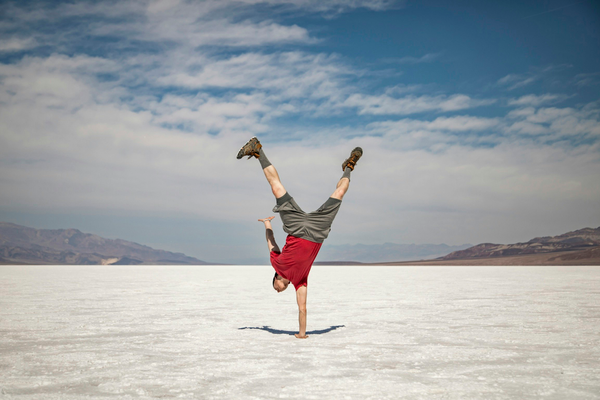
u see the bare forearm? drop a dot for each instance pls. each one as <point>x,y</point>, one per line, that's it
<point>301,299</point>
<point>302,323</point>
<point>269,233</point>
<point>271,241</point>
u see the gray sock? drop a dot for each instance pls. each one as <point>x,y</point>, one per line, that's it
<point>264,161</point>
<point>347,173</point>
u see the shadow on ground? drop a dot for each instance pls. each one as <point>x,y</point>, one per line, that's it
<point>281,332</point>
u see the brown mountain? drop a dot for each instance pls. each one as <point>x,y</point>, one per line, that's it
<point>577,245</point>
<point>20,244</point>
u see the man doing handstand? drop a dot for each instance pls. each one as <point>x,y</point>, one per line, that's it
<point>306,231</point>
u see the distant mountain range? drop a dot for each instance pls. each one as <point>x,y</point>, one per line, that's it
<point>580,247</point>
<point>387,252</point>
<point>23,245</point>
<point>582,243</point>
<point>20,244</point>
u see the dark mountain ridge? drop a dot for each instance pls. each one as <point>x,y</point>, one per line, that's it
<point>583,240</point>
<point>71,246</point>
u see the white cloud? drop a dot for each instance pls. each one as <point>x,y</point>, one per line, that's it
<point>429,57</point>
<point>242,112</point>
<point>521,112</point>
<point>438,135</point>
<point>17,44</point>
<point>396,90</point>
<point>387,105</point>
<point>515,185</point>
<point>186,23</point>
<point>514,81</point>
<point>556,123</point>
<point>425,178</point>
<point>61,140</point>
<point>189,31</point>
<point>534,100</point>
<point>453,124</point>
<point>591,79</point>
<point>334,5</point>
<point>292,74</point>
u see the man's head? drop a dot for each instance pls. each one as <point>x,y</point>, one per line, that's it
<point>279,283</point>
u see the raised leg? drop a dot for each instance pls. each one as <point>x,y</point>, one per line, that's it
<point>343,185</point>
<point>347,166</point>
<point>254,149</point>
<point>273,179</point>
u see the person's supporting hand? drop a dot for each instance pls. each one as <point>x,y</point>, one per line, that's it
<point>301,337</point>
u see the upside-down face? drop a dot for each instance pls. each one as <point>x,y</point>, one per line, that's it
<point>280,284</point>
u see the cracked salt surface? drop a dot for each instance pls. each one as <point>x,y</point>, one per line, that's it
<point>143,332</point>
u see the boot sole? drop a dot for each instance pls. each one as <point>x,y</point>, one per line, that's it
<point>355,155</point>
<point>242,152</point>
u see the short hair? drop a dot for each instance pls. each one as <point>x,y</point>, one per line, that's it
<point>274,277</point>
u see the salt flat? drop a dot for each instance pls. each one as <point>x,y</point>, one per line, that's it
<point>108,332</point>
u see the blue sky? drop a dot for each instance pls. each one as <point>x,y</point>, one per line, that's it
<point>479,120</point>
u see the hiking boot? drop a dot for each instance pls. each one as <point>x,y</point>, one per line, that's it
<point>250,149</point>
<point>353,159</point>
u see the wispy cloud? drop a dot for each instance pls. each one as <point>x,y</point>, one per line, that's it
<point>17,44</point>
<point>387,105</point>
<point>189,24</point>
<point>591,79</point>
<point>429,57</point>
<point>535,100</point>
<point>578,125</point>
<point>292,73</point>
<point>452,124</point>
<point>514,81</point>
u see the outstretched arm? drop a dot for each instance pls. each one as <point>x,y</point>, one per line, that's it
<point>301,299</point>
<point>270,237</point>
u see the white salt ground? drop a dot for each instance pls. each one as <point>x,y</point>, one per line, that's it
<point>143,332</point>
